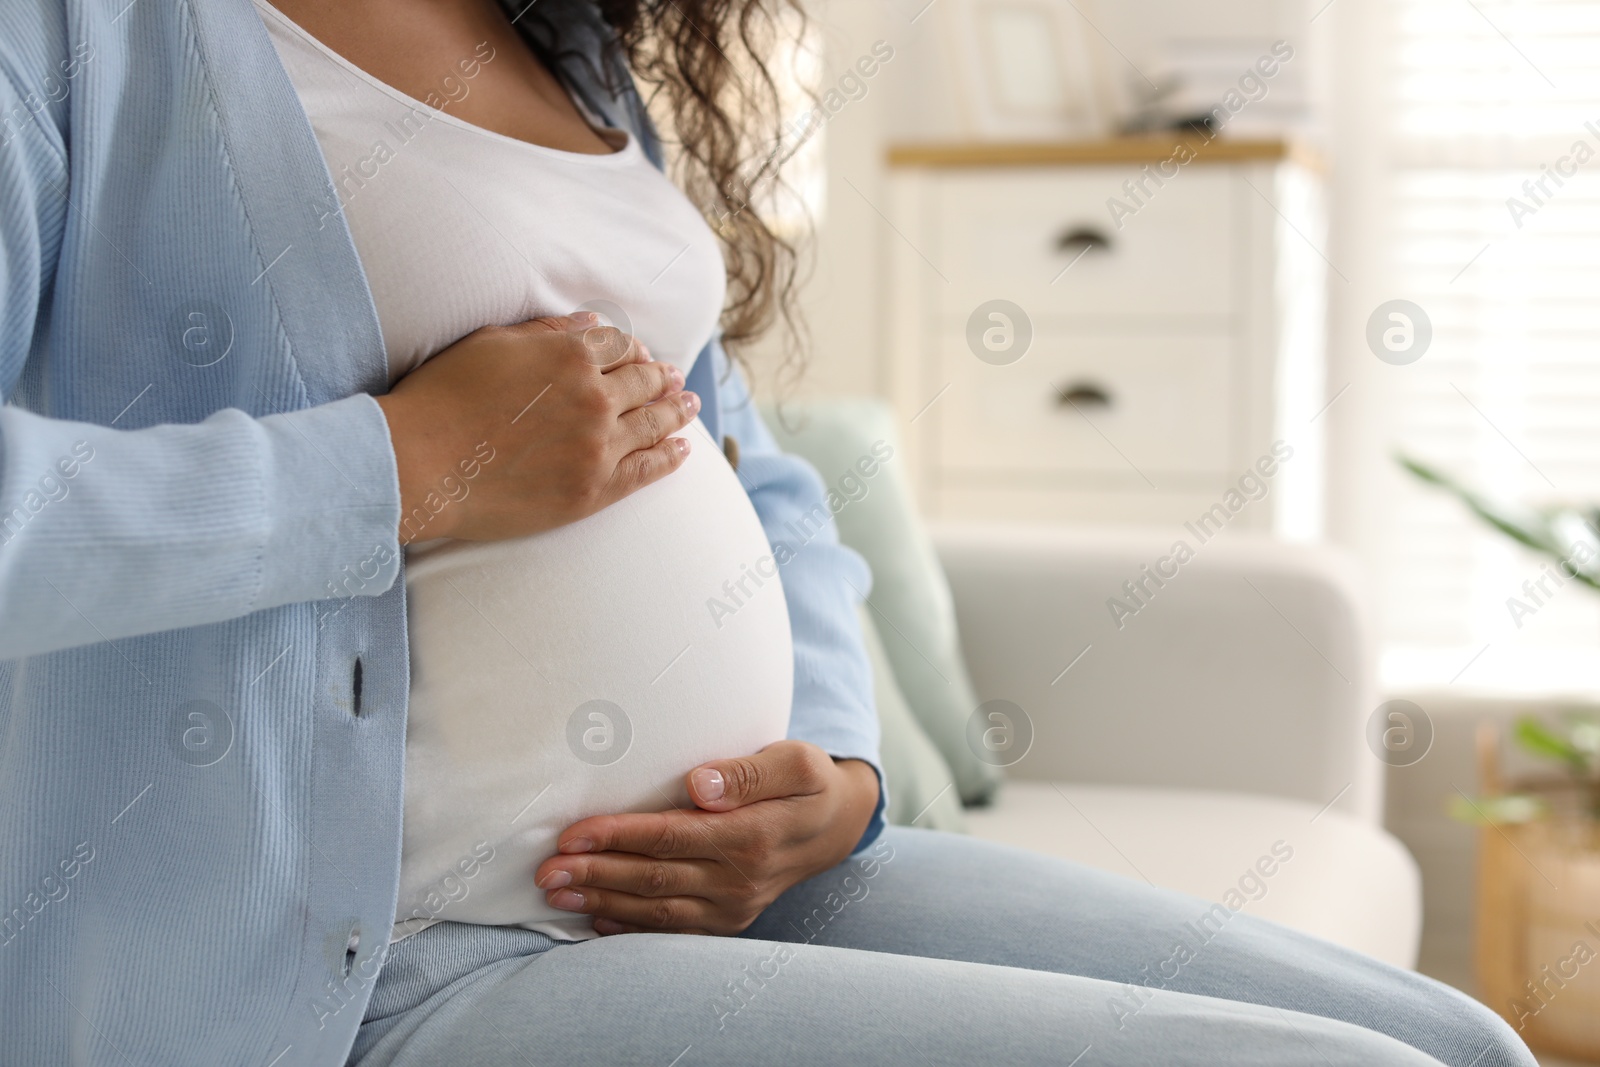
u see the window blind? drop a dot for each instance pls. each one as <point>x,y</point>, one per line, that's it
<point>1494,209</point>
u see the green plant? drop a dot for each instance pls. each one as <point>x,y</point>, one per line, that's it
<point>1569,535</point>
<point>1575,745</point>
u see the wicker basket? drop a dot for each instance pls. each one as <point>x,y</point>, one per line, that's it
<point>1538,921</point>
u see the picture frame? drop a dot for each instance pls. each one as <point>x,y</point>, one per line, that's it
<point>1029,69</point>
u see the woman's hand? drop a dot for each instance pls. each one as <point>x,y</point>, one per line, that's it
<point>518,429</point>
<point>766,823</point>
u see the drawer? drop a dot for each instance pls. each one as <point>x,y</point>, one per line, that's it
<point>1039,501</point>
<point>1009,236</point>
<point>1168,409</point>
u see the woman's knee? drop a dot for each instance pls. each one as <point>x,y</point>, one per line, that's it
<point>1481,1038</point>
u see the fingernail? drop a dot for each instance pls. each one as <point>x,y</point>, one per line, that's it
<point>681,444</point>
<point>567,900</point>
<point>556,879</point>
<point>707,784</point>
<point>577,844</point>
<point>585,316</point>
<point>644,350</point>
<point>607,926</point>
<point>691,403</point>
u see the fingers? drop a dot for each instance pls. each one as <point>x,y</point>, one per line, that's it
<point>552,323</point>
<point>632,376</point>
<point>646,426</point>
<point>578,320</point>
<point>654,914</point>
<point>609,348</point>
<point>662,835</point>
<point>638,384</point>
<point>641,468</point>
<point>668,872</point>
<point>605,347</point>
<point>640,876</point>
<point>782,769</point>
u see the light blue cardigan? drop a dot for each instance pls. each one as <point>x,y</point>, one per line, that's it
<point>202,750</point>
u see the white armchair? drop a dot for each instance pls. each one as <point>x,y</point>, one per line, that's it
<point>1219,727</point>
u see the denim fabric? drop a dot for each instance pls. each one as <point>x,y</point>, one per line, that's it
<point>927,948</point>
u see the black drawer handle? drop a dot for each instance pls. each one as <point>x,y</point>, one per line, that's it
<point>1080,239</point>
<point>1083,395</point>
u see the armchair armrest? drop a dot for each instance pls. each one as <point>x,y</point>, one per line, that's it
<point>1248,668</point>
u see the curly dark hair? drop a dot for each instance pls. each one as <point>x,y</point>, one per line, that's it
<point>702,65</point>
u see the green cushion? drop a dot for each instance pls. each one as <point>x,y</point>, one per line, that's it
<point>854,444</point>
<point>917,777</point>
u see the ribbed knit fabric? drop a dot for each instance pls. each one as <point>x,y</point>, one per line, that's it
<point>204,674</point>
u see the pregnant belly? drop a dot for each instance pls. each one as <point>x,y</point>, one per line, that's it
<point>582,671</point>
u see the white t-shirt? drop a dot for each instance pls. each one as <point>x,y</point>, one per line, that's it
<point>581,671</point>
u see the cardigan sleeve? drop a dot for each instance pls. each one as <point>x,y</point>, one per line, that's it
<point>107,533</point>
<point>823,582</point>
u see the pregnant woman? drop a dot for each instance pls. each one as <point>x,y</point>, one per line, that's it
<point>369,450</point>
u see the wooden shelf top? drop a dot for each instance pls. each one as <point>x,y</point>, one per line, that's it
<point>1113,150</point>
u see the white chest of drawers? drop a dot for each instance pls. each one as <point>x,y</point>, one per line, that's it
<point>1173,341</point>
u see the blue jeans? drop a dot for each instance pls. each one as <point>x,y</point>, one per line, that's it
<point>927,948</point>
